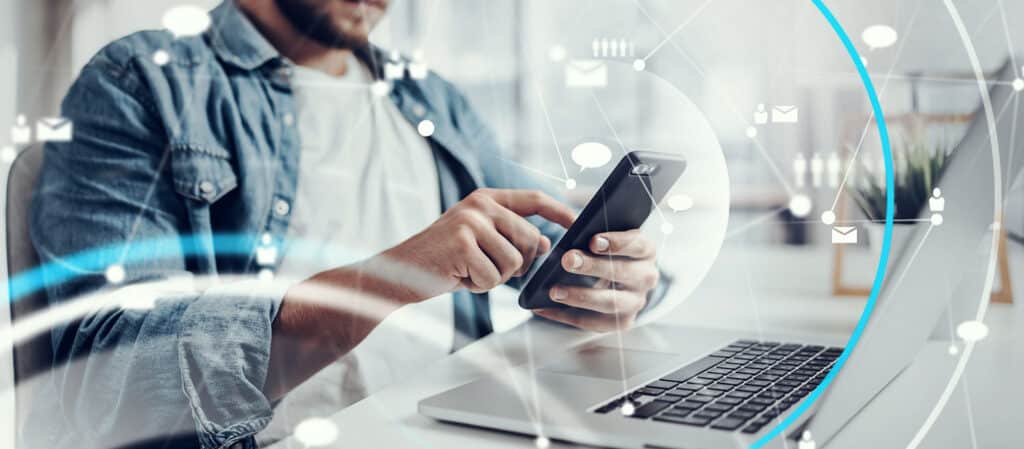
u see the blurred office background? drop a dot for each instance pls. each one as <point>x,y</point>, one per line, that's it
<point>728,56</point>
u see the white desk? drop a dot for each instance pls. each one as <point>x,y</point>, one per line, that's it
<point>389,418</point>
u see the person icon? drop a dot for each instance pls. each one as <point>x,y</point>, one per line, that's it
<point>806,441</point>
<point>760,115</point>
<point>937,203</point>
<point>21,133</point>
<point>800,170</point>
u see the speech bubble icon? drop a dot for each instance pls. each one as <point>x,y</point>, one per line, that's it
<point>879,36</point>
<point>591,155</point>
<point>680,202</point>
<point>186,20</point>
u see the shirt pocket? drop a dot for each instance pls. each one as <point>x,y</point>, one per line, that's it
<point>201,173</point>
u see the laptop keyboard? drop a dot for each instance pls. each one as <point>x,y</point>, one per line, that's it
<point>742,386</point>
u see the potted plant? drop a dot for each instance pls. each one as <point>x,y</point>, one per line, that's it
<point>917,167</point>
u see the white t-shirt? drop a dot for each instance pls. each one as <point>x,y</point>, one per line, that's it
<point>367,181</point>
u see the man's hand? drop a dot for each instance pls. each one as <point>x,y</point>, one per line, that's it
<point>624,264</point>
<point>480,243</point>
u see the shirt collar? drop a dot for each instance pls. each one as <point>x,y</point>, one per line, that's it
<point>236,40</point>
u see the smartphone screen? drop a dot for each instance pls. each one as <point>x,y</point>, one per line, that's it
<point>624,201</point>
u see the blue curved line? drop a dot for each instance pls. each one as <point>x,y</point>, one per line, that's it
<point>890,207</point>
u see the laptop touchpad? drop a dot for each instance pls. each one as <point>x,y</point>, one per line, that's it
<point>609,363</point>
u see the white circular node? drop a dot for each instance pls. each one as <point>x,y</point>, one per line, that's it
<point>667,228</point>
<point>639,65</point>
<point>8,154</point>
<point>1018,84</point>
<point>800,205</point>
<point>426,128</point>
<point>316,432</point>
<point>628,409</point>
<point>936,219</point>
<point>954,349</point>
<point>380,88</point>
<point>972,331</point>
<point>556,53</point>
<point>115,274</point>
<point>161,57</point>
<point>266,275</point>
<point>570,183</point>
<point>828,217</point>
<point>751,132</point>
<point>542,442</point>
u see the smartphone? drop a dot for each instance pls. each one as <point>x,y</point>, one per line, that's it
<point>624,201</point>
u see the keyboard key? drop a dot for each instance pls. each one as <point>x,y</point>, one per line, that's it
<point>671,398</point>
<point>729,381</point>
<point>729,401</point>
<point>700,398</point>
<point>707,414</point>
<point>717,407</point>
<point>651,391</point>
<point>684,392</point>
<point>693,421</point>
<point>676,413</point>
<point>728,424</point>
<point>650,409</point>
<point>663,384</point>
<point>710,392</point>
<point>693,369</point>
<point>720,387</point>
<point>749,389</point>
<point>751,429</point>
<point>739,395</point>
<point>748,407</point>
<point>688,405</point>
<point>710,376</point>
<point>742,415</point>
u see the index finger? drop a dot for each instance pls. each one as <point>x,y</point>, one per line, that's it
<point>534,202</point>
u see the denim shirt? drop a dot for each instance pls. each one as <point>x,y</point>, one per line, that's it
<point>181,169</point>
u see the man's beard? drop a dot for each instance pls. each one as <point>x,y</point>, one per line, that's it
<point>318,26</point>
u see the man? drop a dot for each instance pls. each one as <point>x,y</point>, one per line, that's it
<point>259,147</point>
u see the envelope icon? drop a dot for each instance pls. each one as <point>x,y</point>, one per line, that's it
<point>586,73</point>
<point>394,70</point>
<point>266,255</point>
<point>54,129</point>
<point>844,235</point>
<point>785,114</point>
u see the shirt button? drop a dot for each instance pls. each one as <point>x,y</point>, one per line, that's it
<point>206,187</point>
<point>289,119</point>
<point>281,208</point>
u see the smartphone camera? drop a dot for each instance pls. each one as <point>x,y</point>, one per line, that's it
<point>644,169</point>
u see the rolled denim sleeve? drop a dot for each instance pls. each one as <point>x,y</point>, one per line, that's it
<point>191,364</point>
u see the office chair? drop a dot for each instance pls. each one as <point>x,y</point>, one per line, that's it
<point>33,356</point>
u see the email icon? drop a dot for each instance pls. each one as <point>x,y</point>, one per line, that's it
<point>586,73</point>
<point>785,114</point>
<point>54,129</point>
<point>844,235</point>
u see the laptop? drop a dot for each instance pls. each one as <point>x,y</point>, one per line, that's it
<point>660,386</point>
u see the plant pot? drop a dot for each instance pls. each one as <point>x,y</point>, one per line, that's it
<point>901,233</point>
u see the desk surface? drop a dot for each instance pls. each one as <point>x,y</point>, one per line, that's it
<point>984,406</point>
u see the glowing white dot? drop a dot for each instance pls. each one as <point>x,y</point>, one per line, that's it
<point>556,53</point>
<point>667,228</point>
<point>426,128</point>
<point>953,349</point>
<point>995,226</point>
<point>161,57</point>
<point>266,275</point>
<point>8,154</point>
<point>936,219</point>
<point>115,274</point>
<point>1018,84</point>
<point>628,409</point>
<point>800,205</point>
<point>864,61</point>
<point>751,132</point>
<point>570,183</point>
<point>542,442</point>
<point>828,217</point>
<point>639,65</point>
<point>879,36</point>
<point>972,331</point>
<point>380,88</point>
<point>316,432</point>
